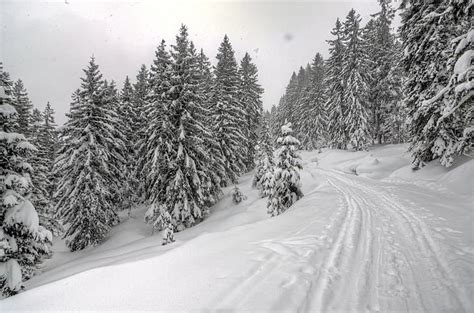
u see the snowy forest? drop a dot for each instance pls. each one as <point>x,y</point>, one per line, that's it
<point>186,132</point>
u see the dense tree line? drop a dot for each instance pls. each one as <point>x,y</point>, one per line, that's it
<point>368,91</point>
<point>353,98</point>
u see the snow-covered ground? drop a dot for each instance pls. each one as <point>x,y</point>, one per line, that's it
<point>369,235</point>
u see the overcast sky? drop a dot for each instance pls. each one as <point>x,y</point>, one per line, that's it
<point>48,43</point>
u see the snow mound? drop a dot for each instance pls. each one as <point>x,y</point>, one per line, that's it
<point>6,109</point>
<point>23,213</point>
<point>460,178</point>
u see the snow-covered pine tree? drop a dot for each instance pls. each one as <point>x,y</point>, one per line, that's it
<point>40,197</point>
<point>451,124</point>
<point>337,129</point>
<point>264,168</point>
<point>89,163</point>
<point>313,120</point>
<point>23,241</point>
<point>250,96</point>
<point>22,104</point>
<point>141,94</point>
<point>139,122</point>
<point>302,102</point>
<point>206,79</point>
<point>355,77</point>
<point>272,121</point>
<point>384,81</point>
<point>212,147</point>
<point>393,122</point>
<point>227,112</point>
<point>119,130</point>
<point>154,149</point>
<point>286,106</point>
<point>126,114</point>
<point>427,31</point>
<point>286,186</point>
<point>49,145</point>
<point>180,190</point>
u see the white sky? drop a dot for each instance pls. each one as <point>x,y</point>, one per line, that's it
<point>48,43</point>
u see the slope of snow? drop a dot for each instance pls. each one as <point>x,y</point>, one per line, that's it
<point>369,235</point>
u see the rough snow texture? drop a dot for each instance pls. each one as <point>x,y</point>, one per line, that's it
<point>378,238</point>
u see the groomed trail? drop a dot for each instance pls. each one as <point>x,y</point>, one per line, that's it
<point>368,236</point>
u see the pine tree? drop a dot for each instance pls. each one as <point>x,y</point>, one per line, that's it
<point>338,134</point>
<point>154,151</point>
<point>250,97</point>
<point>450,127</point>
<point>138,122</point>
<point>394,115</point>
<point>287,105</point>
<point>47,144</point>
<point>89,164</point>
<point>23,241</point>
<point>285,188</point>
<point>48,141</point>
<point>206,79</point>
<point>436,127</point>
<point>120,129</point>
<point>40,197</point>
<point>126,113</point>
<point>354,73</point>
<point>384,82</point>
<point>227,112</point>
<point>313,119</point>
<point>22,104</point>
<point>302,101</point>
<point>212,147</point>
<point>291,96</point>
<point>183,170</point>
<point>264,167</point>
<point>141,95</point>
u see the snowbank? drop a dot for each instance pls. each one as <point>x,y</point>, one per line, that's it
<point>366,218</point>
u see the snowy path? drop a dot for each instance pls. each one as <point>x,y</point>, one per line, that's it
<point>383,256</point>
<point>352,243</point>
<point>375,254</point>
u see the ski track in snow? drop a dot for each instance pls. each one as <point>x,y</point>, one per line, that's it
<point>382,252</point>
<point>379,256</point>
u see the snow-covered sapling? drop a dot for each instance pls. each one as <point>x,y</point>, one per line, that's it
<point>285,188</point>
<point>264,168</point>
<point>168,232</point>
<point>237,195</point>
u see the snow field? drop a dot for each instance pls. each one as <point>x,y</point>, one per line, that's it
<point>367,236</point>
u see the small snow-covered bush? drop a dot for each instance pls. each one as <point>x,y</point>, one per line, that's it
<point>237,195</point>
